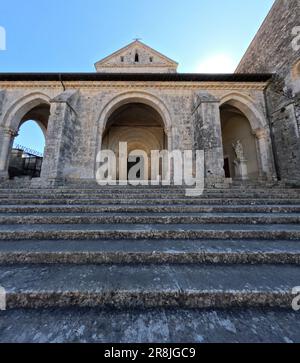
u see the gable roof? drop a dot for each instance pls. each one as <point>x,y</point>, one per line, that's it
<point>137,43</point>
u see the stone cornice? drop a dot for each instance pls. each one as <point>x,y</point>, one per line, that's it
<point>98,85</point>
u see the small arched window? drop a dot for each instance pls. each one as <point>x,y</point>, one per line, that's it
<point>137,58</point>
<point>122,59</point>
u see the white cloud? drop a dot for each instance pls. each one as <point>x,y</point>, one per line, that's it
<point>219,63</point>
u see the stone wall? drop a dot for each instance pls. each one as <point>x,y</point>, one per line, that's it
<point>272,48</point>
<point>276,49</point>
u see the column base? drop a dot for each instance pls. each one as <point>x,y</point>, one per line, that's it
<point>4,176</point>
<point>46,183</point>
<point>217,182</point>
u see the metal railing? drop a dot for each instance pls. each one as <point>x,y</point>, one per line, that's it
<point>29,163</point>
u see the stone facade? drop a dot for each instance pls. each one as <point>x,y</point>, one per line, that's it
<point>276,49</point>
<point>194,110</point>
<point>78,117</point>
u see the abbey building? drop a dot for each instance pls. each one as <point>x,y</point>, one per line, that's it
<point>247,123</point>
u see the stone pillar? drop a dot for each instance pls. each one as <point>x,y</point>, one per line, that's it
<point>61,138</point>
<point>263,152</point>
<point>208,136</point>
<point>7,136</point>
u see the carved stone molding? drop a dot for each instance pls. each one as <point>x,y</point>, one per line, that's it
<point>96,85</point>
<point>260,134</point>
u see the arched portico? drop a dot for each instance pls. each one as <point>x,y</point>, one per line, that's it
<point>138,118</point>
<point>135,97</point>
<point>242,121</point>
<point>34,106</point>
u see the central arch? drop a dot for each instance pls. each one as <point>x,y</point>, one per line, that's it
<point>146,123</point>
<point>138,125</point>
<point>137,97</point>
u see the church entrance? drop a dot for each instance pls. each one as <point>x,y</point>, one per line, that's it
<point>142,128</point>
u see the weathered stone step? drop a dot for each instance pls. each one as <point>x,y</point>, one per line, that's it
<point>144,195</point>
<point>94,325</point>
<point>153,201</point>
<point>32,286</point>
<point>148,231</point>
<point>139,188</point>
<point>152,218</point>
<point>146,191</point>
<point>150,252</point>
<point>125,208</point>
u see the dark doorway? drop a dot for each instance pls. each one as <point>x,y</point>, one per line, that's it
<point>227,168</point>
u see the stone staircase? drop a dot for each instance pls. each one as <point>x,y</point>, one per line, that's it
<point>131,264</point>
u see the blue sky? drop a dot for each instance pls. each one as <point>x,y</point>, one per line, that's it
<point>71,35</point>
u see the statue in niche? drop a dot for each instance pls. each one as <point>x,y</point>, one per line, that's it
<point>240,164</point>
<point>239,150</point>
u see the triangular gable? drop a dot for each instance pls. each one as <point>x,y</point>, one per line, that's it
<point>136,57</point>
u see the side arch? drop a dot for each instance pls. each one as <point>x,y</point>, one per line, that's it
<point>22,110</point>
<point>258,127</point>
<point>246,106</point>
<point>21,107</point>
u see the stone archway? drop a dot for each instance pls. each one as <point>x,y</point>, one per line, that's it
<point>242,121</point>
<point>161,139</point>
<point>138,125</point>
<point>34,107</point>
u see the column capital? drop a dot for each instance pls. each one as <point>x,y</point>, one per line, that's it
<point>9,131</point>
<point>260,133</point>
<point>205,97</point>
<point>168,129</point>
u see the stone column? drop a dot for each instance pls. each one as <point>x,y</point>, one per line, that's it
<point>7,136</point>
<point>208,136</point>
<point>263,152</point>
<point>61,138</point>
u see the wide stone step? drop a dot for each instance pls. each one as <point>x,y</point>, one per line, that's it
<point>149,231</point>
<point>152,201</point>
<point>145,189</point>
<point>144,194</point>
<point>152,218</point>
<point>125,208</point>
<point>34,286</point>
<point>94,325</point>
<point>150,252</point>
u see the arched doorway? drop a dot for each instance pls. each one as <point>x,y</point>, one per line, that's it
<point>237,130</point>
<point>25,156</point>
<point>141,127</point>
